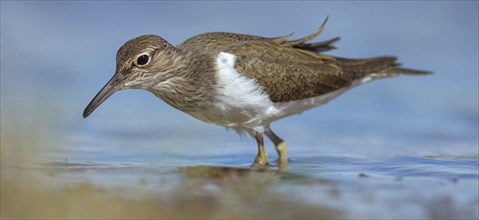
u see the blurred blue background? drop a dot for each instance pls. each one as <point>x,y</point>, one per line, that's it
<point>55,56</point>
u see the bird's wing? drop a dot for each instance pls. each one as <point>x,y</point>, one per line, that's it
<point>287,73</point>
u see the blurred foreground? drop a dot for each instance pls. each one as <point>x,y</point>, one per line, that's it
<point>326,187</point>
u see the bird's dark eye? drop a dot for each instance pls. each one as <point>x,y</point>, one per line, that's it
<point>142,60</point>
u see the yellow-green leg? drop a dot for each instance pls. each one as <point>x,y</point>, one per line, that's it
<point>280,146</point>
<point>262,157</point>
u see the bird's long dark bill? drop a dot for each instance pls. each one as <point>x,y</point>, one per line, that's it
<point>111,87</point>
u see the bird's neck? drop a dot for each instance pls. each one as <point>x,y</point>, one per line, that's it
<point>191,81</point>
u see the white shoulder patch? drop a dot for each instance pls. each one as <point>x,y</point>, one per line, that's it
<point>242,99</point>
<point>236,87</point>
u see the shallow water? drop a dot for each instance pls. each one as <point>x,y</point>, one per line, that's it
<point>402,148</point>
<point>169,174</point>
<point>325,187</point>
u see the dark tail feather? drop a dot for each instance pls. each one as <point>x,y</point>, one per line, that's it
<point>397,70</point>
<point>385,66</point>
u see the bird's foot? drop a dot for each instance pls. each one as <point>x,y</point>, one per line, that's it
<point>261,161</point>
<point>282,163</point>
<point>283,154</point>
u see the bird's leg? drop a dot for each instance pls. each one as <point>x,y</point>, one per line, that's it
<point>280,146</point>
<point>262,157</point>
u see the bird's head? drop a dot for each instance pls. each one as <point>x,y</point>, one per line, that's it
<point>140,63</point>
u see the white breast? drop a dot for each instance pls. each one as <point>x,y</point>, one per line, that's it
<point>241,102</point>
